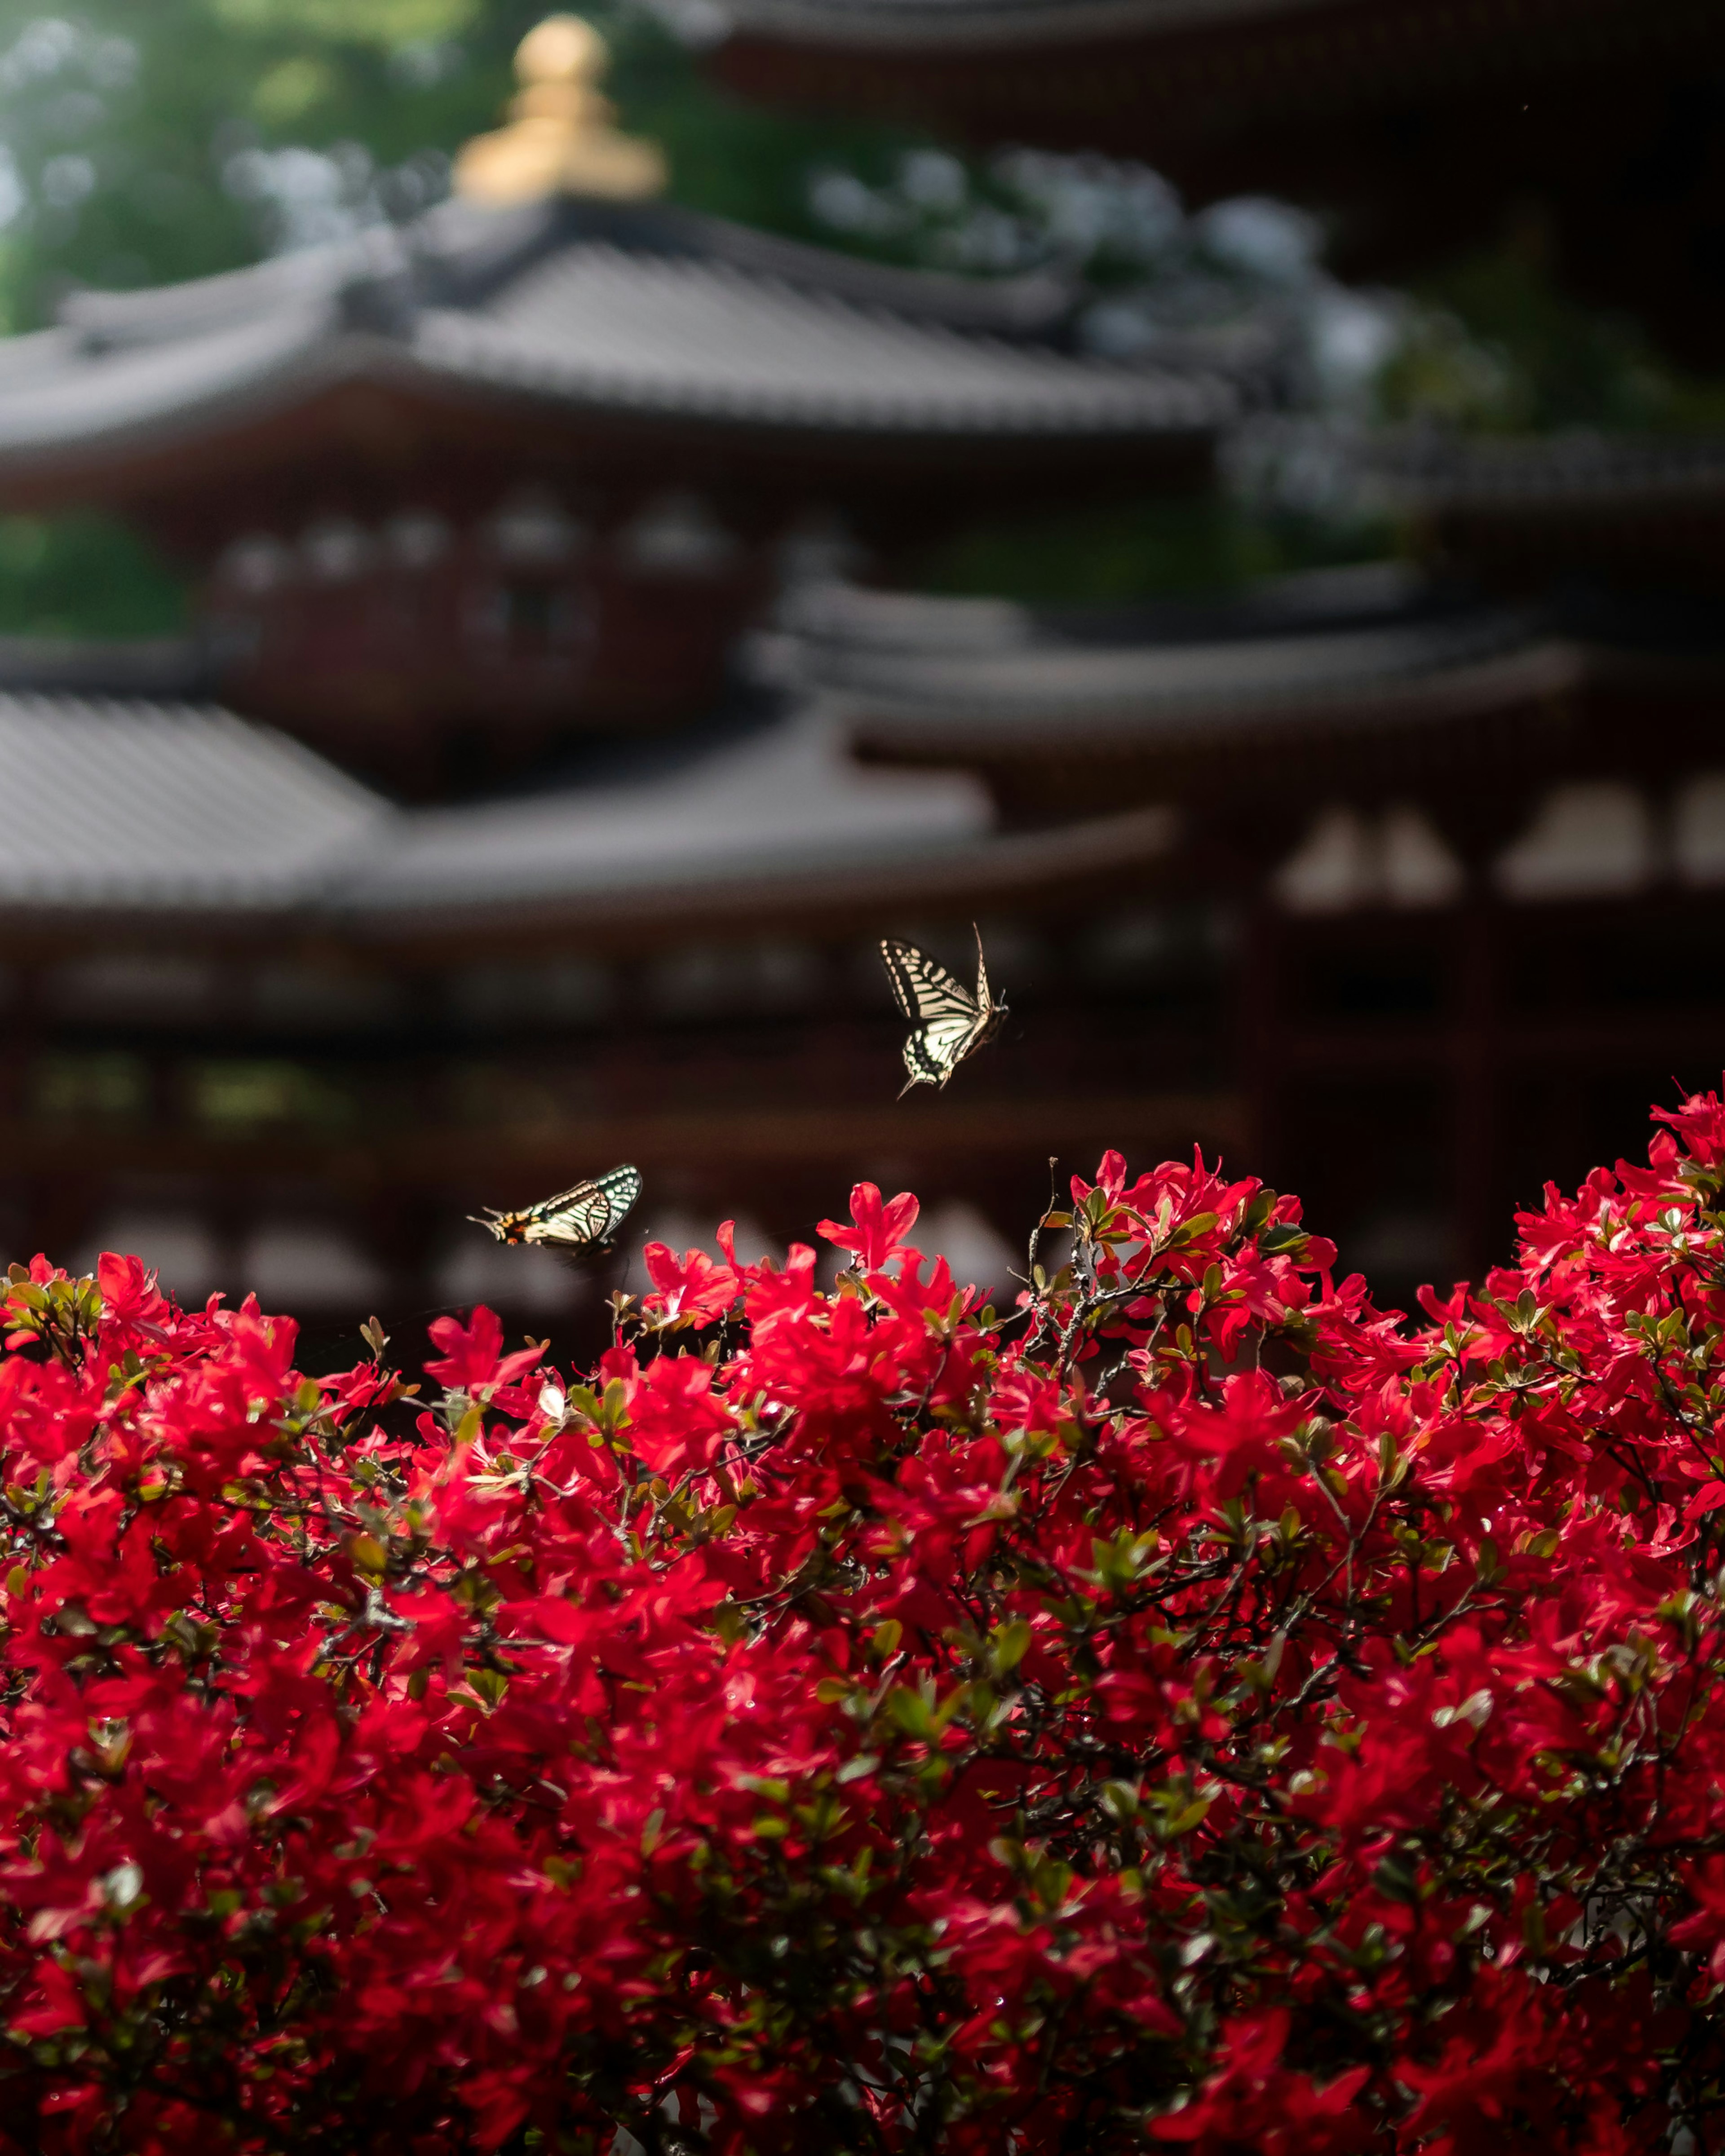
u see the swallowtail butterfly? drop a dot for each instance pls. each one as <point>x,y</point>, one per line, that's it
<point>949,1022</point>
<point>576,1219</point>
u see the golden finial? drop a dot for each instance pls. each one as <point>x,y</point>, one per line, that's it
<point>562,138</point>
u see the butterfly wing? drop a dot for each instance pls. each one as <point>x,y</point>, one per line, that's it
<point>621,1187</point>
<point>571,1220</point>
<point>924,990</point>
<point>950,1020</point>
<point>934,1051</point>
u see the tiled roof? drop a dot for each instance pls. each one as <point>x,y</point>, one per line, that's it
<point>610,328</point>
<point>142,809</point>
<point>779,802</point>
<point>605,308</point>
<point>167,807</point>
<point>975,676</point>
<point>135,806</point>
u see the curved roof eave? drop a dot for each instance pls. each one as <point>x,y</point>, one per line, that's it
<point>1223,719</point>
<point>152,408</point>
<point>142,400</point>
<point>1002,864</point>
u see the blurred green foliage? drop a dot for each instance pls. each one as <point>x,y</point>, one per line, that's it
<point>1180,544</point>
<point>83,575</point>
<point>1491,344</point>
<point>142,144</point>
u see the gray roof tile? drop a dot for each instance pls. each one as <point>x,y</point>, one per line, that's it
<point>909,675</point>
<point>124,805</point>
<point>777,803</point>
<point>130,805</point>
<point>706,339</point>
<point>624,308</point>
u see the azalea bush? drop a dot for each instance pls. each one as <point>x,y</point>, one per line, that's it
<point>1188,1708</point>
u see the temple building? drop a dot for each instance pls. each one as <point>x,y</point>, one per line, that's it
<point>453,496</point>
<point>553,746</point>
<point>463,848</point>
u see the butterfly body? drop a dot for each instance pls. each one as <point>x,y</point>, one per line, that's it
<point>582,1218</point>
<point>949,1021</point>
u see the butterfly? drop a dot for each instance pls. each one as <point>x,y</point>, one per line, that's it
<point>579,1218</point>
<point>949,1022</point>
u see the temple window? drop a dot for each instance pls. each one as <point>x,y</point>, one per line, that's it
<point>1349,858</point>
<point>337,550</point>
<point>258,563</point>
<point>1585,839</point>
<point>678,535</point>
<point>533,529</point>
<point>1417,865</point>
<point>1699,829</point>
<point>1331,868</point>
<point>417,539</point>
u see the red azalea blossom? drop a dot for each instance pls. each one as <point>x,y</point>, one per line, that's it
<point>473,1354</point>
<point>879,1227</point>
<point>691,1287</point>
<point>1199,1711</point>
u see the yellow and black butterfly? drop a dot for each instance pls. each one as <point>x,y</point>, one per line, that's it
<point>579,1218</point>
<point>949,1022</point>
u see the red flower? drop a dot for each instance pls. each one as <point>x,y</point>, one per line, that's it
<point>473,1354</point>
<point>1204,1710</point>
<point>691,1287</point>
<point>879,1231</point>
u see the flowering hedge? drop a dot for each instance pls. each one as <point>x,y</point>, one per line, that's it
<point>1194,1710</point>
